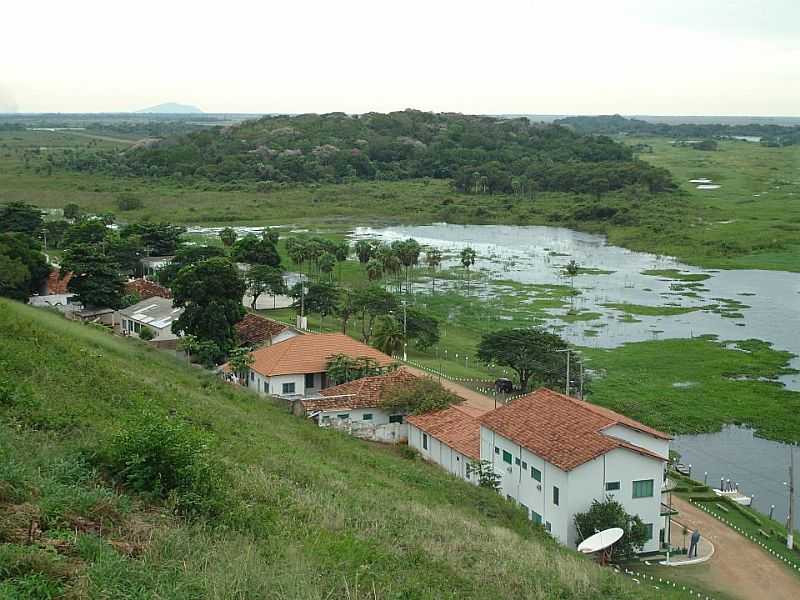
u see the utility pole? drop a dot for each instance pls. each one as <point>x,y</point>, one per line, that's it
<point>790,526</point>
<point>405,331</point>
<point>581,392</point>
<point>566,387</point>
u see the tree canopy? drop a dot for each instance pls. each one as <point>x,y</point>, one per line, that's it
<point>422,396</point>
<point>20,217</point>
<point>608,514</point>
<point>23,267</point>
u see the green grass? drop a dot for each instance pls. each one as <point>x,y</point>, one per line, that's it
<point>637,379</point>
<point>645,310</point>
<point>675,274</point>
<point>310,513</point>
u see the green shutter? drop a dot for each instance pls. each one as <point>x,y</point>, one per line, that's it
<point>643,488</point>
<point>507,457</point>
<point>536,474</point>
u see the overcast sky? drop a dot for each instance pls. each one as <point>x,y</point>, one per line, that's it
<point>684,57</point>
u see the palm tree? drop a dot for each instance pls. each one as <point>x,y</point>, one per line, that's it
<point>468,256</point>
<point>389,337</point>
<point>572,269</point>
<point>374,269</point>
<point>433,258</point>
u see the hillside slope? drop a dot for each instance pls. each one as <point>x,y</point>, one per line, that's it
<point>309,513</point>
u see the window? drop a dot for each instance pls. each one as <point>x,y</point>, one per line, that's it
<point>507,458</point>
<point>536,474</point>
<point>288,388</point>
<point>367,417</point>
<point>548,527</point>
<point>309,380</point>
<point>516,461</point>
<point>424,441</point>
<point>524,466</point>
<point>649,528</point>
<point>612,485</point>
<point>555,495</point>
<point>496,450</point>
<point>344,416</point>
<point>395,418</point>
<point>252,376</point>
<point>537,518</point>
<point>643,488</point>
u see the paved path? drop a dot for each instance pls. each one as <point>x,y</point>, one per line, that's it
<point>473,398</point>
<point>739,567</point>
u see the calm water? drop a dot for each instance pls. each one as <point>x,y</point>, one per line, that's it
<point>538,254</point>
<point>760,466</point>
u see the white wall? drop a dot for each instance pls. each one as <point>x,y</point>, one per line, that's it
<point>453,462</point>
<point>637,438</point>
<point>577,488</point>
<point>127,325</point>
<point>274,385</point>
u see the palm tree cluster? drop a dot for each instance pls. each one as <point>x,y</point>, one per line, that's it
<point>320,254</point>
<point>396,261</point>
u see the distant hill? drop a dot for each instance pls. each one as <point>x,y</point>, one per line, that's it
<point>172,108</point>
<point>478,154</point>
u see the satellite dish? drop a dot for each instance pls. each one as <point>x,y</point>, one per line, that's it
<point>600,540</point>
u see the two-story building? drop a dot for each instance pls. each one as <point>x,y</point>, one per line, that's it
<point>297,366</point>
<point>556,454</point>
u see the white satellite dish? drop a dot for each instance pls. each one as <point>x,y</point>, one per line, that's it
<point>602,540</point>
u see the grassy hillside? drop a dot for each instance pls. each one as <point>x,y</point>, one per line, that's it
<point>306,513</point>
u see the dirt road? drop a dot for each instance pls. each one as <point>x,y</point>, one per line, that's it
<point>739,567</point>
<point>472,397</point>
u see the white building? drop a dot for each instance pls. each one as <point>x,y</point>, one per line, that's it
<point>156,314</point>
<point>449,437</point>
<point>555,455</point>
<point>357,407</point>
<point>297,367</point>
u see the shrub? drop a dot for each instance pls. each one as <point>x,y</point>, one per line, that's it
<point>146,334</point>
<point>165,459</point>
<point>407,452</point>
<point>422,396</point>
<point>607,514</point>
<point>129,202</point>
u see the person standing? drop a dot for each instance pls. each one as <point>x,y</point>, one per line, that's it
<point>695,541</point>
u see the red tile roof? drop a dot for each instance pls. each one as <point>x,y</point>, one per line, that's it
<point>147,289</point>
<point>56,284</point>
<point>366,392</point>
<point>310,354</point>
<point>254,329</point>
<point>564,431</point>
<point>457,426</point>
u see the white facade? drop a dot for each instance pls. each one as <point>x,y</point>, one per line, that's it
<point>133,328</point>
<point>553,497</point>
<point>433,450</point>
<point>294,385</point>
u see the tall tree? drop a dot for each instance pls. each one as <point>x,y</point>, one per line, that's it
<point>422,328</point>
<point>72,211</point>
<point>186,256</point>
<point>158,239</point>
<point>210,292</point>
<point>468,256</point>
<point>96,279</point>
<point>255,251</point>
<point>433,258</point>
<point>364,250</point>
<point>327,262</point>
<point>389,336</point>
<point>370,303</point>
<point>608,514</point>
<point>20,217</point>
<point>228,236</point>
<point>320,297</point>
<point>530,352</point>
<point>25,266</point>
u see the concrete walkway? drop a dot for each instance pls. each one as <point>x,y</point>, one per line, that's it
<point>705,549</point>
<point>739,567</point>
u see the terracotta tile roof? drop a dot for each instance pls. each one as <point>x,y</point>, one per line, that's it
<point>310,354</point>
<point>254,329</point>
<point>147,289</point>
<point>366,392</point>
<point>457,426</point>
<point>564,431</point>
<point>56,284</point>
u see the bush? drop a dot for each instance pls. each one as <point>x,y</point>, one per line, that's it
<point>407,452</point>
<point>607,514</point>
<point>164,458</point>
<point>146,334</point>
<point>129,202</point>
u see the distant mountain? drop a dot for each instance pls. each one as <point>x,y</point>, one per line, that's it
<point>172,108</point>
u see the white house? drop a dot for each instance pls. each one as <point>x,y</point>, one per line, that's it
<point>156,314</point>
<point>297,367</point>
<point>557,454</point>
<point>357,407</point>
<point>449,437</point>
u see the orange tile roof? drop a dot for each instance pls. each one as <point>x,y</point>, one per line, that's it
<point>361,393</point>
<point>564,431</point>
<point>457,426</point>
<point>56,283</point>
<point>147,289</point>
<point>254,329</point>
<point>310,354</point>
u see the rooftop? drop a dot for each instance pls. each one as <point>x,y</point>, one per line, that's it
<point>154,312</point>
<point>366,392</point>
<point>254,329</point>
<point>147,289</point>
<point>310,354</point>
<point>564,431</point>
<point>457,426</point>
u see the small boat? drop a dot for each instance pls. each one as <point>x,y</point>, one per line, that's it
<point>683,469</point>
<point>731,491</point>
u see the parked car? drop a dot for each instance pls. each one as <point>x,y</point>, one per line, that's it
<point>503,385</point>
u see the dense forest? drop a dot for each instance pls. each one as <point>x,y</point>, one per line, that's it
<point>479,154</point>
<point>771,135</point>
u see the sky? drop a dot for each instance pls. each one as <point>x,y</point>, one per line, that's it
<point>657,57</point>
